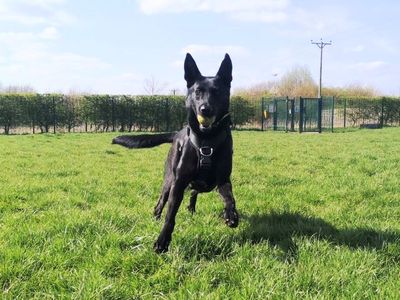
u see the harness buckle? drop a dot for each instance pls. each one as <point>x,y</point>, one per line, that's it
<point>205,157</point>
<point>206,151</point>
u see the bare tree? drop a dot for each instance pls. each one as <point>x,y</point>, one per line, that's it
<point>175,92</point>
<point>297,82</point>
<point>257,91</point>
<point>352,90</point>
<point>24,89</point>
<point>152,87</point>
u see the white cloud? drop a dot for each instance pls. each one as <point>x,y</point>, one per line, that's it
<point>245,10</point>
<point>49,71</point>
<point>34,12</point>
<point>37,64</point>
<point>29,57</point>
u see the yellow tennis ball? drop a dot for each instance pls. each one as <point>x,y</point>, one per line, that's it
<point>205,121</point>
<point>201,119</point>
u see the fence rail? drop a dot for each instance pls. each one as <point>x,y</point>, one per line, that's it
<point>41,113</point>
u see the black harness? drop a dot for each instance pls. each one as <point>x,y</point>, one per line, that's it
<point>206,147</point>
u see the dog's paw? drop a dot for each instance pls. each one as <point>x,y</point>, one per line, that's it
<point>157,214</point>
<point>160,246</point>
<point>231,218</point>
<point>191,209</point>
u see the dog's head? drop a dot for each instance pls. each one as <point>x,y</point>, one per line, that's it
<point>207,97</point>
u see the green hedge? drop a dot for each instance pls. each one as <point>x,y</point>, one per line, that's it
<point>57,112</point>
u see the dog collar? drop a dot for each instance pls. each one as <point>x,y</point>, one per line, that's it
<point>216,124</point>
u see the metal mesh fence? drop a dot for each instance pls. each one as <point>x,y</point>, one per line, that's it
<point>302,114</point>
<point>367,113</point>
<point>328,113</point>
<point>275,113</point>
<point>310,114</point>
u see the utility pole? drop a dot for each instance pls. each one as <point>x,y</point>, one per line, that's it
<point>321,46</point>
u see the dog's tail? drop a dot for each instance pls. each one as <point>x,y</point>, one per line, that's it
<point>144,140</point>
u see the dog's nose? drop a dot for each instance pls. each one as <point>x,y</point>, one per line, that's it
<point>205,110</point>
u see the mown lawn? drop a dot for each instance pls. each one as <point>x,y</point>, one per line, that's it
<point>320,218</point>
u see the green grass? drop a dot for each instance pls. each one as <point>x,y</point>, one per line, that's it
<point>319,219</point>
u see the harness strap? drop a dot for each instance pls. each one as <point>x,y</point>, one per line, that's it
<point>206,147</point>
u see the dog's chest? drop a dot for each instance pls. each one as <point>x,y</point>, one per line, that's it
<point>205,181</point>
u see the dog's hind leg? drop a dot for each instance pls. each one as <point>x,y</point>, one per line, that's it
<point>231,216</point>
<point>193,199</point>
<point>162,201</point>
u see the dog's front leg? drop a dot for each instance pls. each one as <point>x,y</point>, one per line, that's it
<point>174,201</point>
<point>231,216</point>
<point>182,176</point>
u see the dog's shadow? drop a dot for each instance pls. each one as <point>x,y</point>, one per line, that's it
<point>281,229</point>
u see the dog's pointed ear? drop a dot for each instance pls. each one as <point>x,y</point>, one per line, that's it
<point>192,73</point>
<point>225,70</point>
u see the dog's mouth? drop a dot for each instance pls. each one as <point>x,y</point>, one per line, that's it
<point>205,122</point>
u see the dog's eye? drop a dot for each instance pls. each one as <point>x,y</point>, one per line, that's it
<point>198,93</point>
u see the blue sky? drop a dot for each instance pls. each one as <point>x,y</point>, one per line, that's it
<point>116,46</point>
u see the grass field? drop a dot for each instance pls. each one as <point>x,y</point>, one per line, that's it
<point>319,219</point>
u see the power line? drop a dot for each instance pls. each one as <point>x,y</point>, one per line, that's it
<point>321,46</point>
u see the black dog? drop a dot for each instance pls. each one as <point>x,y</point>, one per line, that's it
<point>201,153</point>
